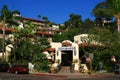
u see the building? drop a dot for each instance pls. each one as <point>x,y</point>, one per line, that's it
<point>66,52</point>
<point>42,29</point>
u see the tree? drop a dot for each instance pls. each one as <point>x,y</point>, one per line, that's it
<point>27,44</point>
<point>5,14</point>
<point>108,45</point>
<point>45,18</point>
<point>69,35</point>
<point>22,51</point>
<point>86,26</point>
<point>102,13</point>
<point>115,8</point>
<point>106,10</point>
<point>57,37</point>
<point>39,16</point>
<point>74,21</point>
<point>41,63</point>
<point>6,18</point>
<point>47,22</point>
<point>0,44</point>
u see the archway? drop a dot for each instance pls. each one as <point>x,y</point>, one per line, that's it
<point>67,57</point>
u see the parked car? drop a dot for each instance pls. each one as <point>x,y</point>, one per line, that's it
<point>117,69</point>
<point>18,69</point>
<point>4,67</point>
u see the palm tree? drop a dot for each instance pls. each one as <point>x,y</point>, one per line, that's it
<point>6,17</point>
<point>39,16</point>
<point>46,21</point>
<point>115,8</point>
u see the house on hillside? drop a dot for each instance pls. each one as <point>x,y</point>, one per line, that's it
<point>42,29</point>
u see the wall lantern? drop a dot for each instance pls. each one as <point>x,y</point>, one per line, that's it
<point>113,59</point>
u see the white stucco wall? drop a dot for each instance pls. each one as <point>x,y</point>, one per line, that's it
<point>78,38</point>
<point>58,54</point>
<point>83,38</point>
<point>56,45</point>
<point>76,51</point>
<point>55,27</point>
<point>1,54</point>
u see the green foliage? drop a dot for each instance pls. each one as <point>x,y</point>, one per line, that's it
<point>43,41</point>
<point>86,26</point>
<point>59,37</point>
<point>105,11</point>
<point>111,44</point>
<point>74,21</point>
<point>62,27</point>
<point>45,19</point>
<point>5,13</point>
<point>27,44</point>
<point>102,36</point>
<point>7,16</point>
<point>69,35</point>
<point>104,15</point>
<point>25,50</point>
<point>41,62</point>
<point>102,10</point>
<point>0,44</point>
<point>114,6</point>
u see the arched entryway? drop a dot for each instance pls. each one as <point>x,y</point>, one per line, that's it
<point>67,57</point>
<point>66,53</point>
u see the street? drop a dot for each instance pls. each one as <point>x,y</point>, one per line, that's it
<point>7,76</point>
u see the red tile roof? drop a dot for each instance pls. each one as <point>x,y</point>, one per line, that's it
<point>33,19</point>
<point>39,29</point>
<point>50,49</point>
<point>44,33</point>
<point>7,29</point>
<point>88,45</point>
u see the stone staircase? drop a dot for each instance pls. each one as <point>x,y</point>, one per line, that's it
<point>64,70</point>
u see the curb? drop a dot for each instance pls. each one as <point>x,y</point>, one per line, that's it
<point>47,74</point>
<point>73,75</point>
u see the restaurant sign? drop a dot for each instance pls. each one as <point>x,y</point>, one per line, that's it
<point>65,48</point>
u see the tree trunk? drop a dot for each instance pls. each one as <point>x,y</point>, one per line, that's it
<point>118,24</point>
<point>3,39</point>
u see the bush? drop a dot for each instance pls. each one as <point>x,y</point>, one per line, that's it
<point>42,66</point>
<point>41,63</point>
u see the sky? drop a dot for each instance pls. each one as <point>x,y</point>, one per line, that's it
<point>57,11</point>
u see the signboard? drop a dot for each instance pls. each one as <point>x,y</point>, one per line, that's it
<point>88,59</point>
<point>65,48</point>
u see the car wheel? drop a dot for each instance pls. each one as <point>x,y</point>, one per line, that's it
<point>16,72</point>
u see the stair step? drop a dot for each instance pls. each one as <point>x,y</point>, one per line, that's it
<point>65,69</point>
